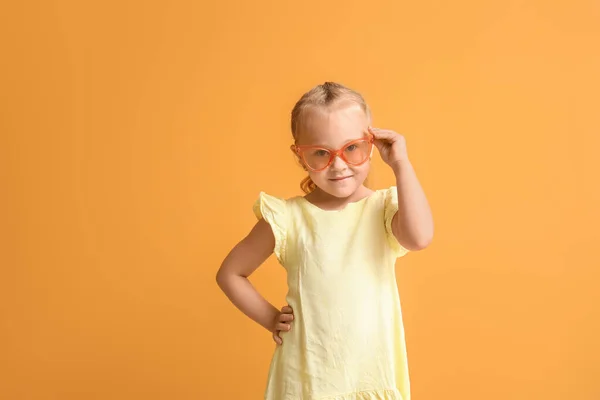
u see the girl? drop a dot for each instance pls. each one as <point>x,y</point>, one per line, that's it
<point>338,244</point>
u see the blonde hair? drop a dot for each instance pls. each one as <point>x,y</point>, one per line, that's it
<point>325,95</point>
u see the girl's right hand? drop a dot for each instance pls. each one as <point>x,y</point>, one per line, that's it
<point>283,323</point>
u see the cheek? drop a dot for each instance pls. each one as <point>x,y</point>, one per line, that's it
<point>362,169</point>
<point>318,176</point>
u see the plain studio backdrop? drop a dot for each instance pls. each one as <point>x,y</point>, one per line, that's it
<point>135,137</point>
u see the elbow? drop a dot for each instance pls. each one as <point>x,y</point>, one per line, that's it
<point>225,278</point>
<point>423,243</point>
<point>415,238</point>
<point>415,246</point>
<point>221,278</point>
<point>424,240</point>
<point>419,242</point>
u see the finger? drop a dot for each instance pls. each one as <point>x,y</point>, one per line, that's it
<point>380,144</point>
<point>286,317</point>
<point>276,338</point>
<point>283,327</point>
<point>287,310</point>
<point>386,136</point>
<point>382,133</point>
<point>376,131</point>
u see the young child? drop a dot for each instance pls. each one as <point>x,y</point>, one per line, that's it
<point>338,244</point>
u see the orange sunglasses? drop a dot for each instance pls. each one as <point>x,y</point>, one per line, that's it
<point>317,158</point>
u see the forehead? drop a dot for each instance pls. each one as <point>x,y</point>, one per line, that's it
<point>333,126</point>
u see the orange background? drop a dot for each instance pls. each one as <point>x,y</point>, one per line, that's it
<point>135,137</point>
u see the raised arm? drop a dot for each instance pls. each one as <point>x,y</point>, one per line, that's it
<point>412,225</point>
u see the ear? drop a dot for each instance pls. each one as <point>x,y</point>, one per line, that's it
<point>293,149</point>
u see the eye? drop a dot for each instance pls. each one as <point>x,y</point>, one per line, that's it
<point>352,147</point>
<point>321,153</point>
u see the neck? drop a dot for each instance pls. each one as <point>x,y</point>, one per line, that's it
<point>322,197</point>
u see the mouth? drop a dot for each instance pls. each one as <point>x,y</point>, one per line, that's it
<point>342,178</point>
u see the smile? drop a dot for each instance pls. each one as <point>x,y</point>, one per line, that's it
<point>340,179</point>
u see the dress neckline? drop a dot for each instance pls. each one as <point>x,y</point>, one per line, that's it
<point>348,205</point>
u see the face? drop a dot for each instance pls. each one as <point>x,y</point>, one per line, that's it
<point>342,128</point>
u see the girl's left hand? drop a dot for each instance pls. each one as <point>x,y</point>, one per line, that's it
<point>391,145</point>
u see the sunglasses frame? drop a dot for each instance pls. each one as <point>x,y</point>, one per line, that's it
<point>300,149</point>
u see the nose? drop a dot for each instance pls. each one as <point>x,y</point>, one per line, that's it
<point>338,164</point>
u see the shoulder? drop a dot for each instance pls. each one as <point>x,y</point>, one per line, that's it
<point>273,211</point>
<point>266,202</point>
<point>385,200</point>
<point>385,195</point>
<point>277,208</point>
<point>390,194</point>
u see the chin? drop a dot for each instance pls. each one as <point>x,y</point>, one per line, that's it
<point>340,190</point>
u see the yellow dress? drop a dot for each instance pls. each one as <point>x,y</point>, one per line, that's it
<point>347,338</point>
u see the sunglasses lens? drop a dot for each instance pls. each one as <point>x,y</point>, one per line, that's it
<point>317,158</point>
<point>357,152</point>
